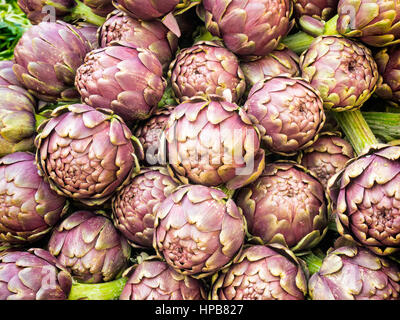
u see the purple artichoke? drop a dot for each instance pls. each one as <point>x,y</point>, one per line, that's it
<point>46,59</point>
<point>206,68</point>
<point>279,62</point>
<point>33,275</point>
<point>17,120</point>
<point>211,141</point>
<point>146,9</point>
<point>319,9</point>
<point>152,35</point>
<point>122,78</point>
<point>100,7</point>
<point>343,71</point>
<point>248,28</point>
<point>365,199</point>
<point>134,207</point>
<point>261,273</point>
<point>355,273</point>
<point>7,75</point>
<point>36,11</point>
<point>86,154</point>
<point>89,31</point>
<point>90,247</point>
<point>155,280</point>
<point>149,134</point>
<point>326,156</point>
<point>287,111</point>
<point>29,208</point>
<point>285,205</point>
<point>198,230</point>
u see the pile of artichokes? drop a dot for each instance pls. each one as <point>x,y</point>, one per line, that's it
<point>201,150</point>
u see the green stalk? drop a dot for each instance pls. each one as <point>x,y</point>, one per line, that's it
<point>313,261</point>
<point>39,119</point>
<point>384,125</point>
<point>82,11</point>
<point>356,129</point>
<point>99,291</point>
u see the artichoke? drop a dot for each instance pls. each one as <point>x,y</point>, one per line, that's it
<point>285,205</point>
<point>146,9</point>
<point>343,71</point>
<point>7,75</point>
<point>319,9</point>
<point>33,275</point>
<point>365,199</point>
<point>374,22</point>
<point>326,156</point>
<point>287,111</point>
<point>279,62</point>
<point>388,61</point>
<point>152,35</point>
<point>90,247</point>
<point>46,59</point>
<point>149,133</point>
<point>36,11</point>
<point>211,141</point>
<point>156,280</point>
<point>355,273</point>
<point>248,28</point>
<point>206,68</point>
<point>89,31</point>
<point>100,7</point>
<point>198,230</point>
<point>261,273</point>
<point>122,78</point>
<point>134,207</point>
<point>29,208</point>
<point>17,120</point>
<point>86,154</point>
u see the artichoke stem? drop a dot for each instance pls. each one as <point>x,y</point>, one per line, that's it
<point>300,41</point>
<point>99,291</point>
<point>82,11</point>
<point>384,125</point>
<point>356,129</point>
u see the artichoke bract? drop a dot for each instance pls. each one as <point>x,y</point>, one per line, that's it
<point>7,75</point>
<point>156,280</point>
<point>287,111</point>
<point>86,154</point>
<point>152,35</point>
<point>46,59</point>
<point>326,156</point>
<point>90,247</point>
<point>134,207</point>
<point>149,134</point>
<point>146,9</point>
<point>374,22</point>
<point>365,199</point>
<point>33,275</point>
<point>122,78</point>
<point>36,11</point>
<point>198,230</point>
<point>282,61</point>
<point>17,120</point>
<point>319,9</point>
<point>29,208</point>
<point>261,273</point>
<point>285,205</point>
<point>355,273</point>
<point>343,71</point>
<point>89,31</point>
<point>211,142</point>
<point>206,68</point>
<point>248,28</point>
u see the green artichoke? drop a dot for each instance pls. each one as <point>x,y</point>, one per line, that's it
<point>355,273</point>
<point>365,199</point>
<point>285,205</point>
<point>134,207</point>
<point>33,275</point>
<point>326,156</point>
<point>248,28</point>
<point>374,22</point>
<point>206,68</point>
<point>343,71</point>
<point>86,154</point>
<point>90,247</point>
<point>287,111</point>
<point>261,273</point>
<point>17,120</point>
<point>7,75</point>
<point>46,59</point>
<point>198,230</point>
<point>29,208</point>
